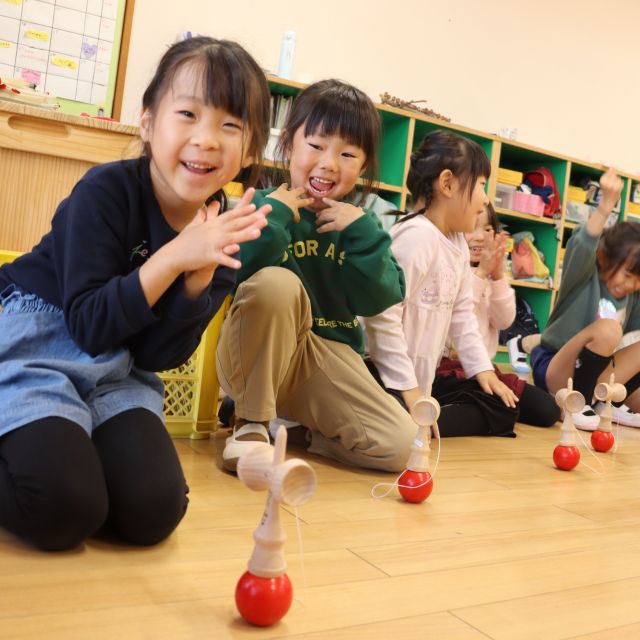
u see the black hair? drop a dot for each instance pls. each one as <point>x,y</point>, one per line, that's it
<point>332,107</point>
<point>231,80</point>
<point>441,150</point>
<point>619,247</point>
<point>492,218</point>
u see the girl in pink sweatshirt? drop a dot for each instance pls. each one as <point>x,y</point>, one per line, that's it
<point>447,181</point>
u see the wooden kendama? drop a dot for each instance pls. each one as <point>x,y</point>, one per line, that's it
<point>566,454</point>
<point>264,592</point>
<point>415,484</point>
<point>602,438</point>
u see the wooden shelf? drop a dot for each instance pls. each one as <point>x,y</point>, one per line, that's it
<point>529,285</point>
<point>524,216</point>
<point>571,225</point>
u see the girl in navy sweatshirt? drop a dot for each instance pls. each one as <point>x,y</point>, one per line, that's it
<point>138,260</point>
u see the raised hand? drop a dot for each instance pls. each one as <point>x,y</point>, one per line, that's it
<point>337,216</point>
<point>611,186</point>
<point>292,198</point>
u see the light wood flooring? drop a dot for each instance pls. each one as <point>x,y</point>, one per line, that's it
<point>506,547</point>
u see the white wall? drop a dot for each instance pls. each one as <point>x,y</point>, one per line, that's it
<point>565,75</point>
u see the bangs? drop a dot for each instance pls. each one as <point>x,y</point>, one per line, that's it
<point>345,117</point>
<point>632,263</point>
<point>223,82</point>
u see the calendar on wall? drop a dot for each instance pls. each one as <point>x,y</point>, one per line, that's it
<point>67,48</point>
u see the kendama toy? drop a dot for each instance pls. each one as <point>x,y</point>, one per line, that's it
<point>264,592</point>
<point>415,484</point>
<point>566,455</point>
<point>602,438</point>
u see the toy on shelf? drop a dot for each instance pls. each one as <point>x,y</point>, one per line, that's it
<point>23,92</point>
<point>264,592</point>
<point>411,105</point>
<point>602,439</point>
<point>566,455</point>
<point>415,484</point>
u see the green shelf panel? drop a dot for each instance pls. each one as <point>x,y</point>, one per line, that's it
<point>520,159</point>
<point>393,148</point>
<point>424,128</point>
<point>501,358</point>
<point>580,172</point>
<point>283,89</point>
<point>540,301</point>
<point>390,196</point>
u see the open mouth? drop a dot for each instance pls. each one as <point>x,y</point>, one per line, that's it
<point>197,168</point>
<point>320,187</point>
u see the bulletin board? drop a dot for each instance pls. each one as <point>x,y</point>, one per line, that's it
<point>68,48</point>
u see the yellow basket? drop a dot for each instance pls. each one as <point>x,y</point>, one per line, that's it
<point>507,176</point>
<point>190,391</point>
<point>634,208</point>
<point>576,194</point>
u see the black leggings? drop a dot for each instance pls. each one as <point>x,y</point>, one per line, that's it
<point>58,486</point>
<point>466,410</point>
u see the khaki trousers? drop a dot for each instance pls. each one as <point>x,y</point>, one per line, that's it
<point>271,363</point>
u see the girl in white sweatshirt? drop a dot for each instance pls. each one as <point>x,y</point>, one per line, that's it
<point>447,180</point>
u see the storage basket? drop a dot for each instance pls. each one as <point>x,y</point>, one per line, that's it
<point>508,176</point>
<point>191,391</point>
<point>576,194</point>
<point>633,208</point>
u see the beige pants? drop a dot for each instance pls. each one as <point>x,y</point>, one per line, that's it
<point>271,363</point>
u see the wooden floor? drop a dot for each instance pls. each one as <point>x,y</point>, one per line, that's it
<point>506,547</point>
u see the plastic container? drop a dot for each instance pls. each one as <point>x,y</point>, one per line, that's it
<point>576,194</point>
<point>528,203</point>
<point>578,212</point>
<point>287,49</point>
<point>508,176</point>
<point>504,195</point>
<point>633,207</point>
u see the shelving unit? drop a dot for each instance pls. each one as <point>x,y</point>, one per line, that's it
<point>403,131</point>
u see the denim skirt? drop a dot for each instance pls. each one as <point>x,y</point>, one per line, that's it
<point>43,372</point>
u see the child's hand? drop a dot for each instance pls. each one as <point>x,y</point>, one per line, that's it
<point>485,264</point>
<point>292,198</point>
<point>207,241</point>
<point>492,258</point>
<point>499,252</point>
<point>611,186</point>
<point>491,384</point>
<point>337,216</point>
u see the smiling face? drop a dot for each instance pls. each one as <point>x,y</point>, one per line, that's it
<point>195,148</point>
<point>325,166</point>
<point>476,238</point>
<point>621,282</point>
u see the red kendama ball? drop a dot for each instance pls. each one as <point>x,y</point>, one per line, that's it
<point>263,601</point>
<point>566,458</point>
<point>415,486</point>
<point>602,440</point>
